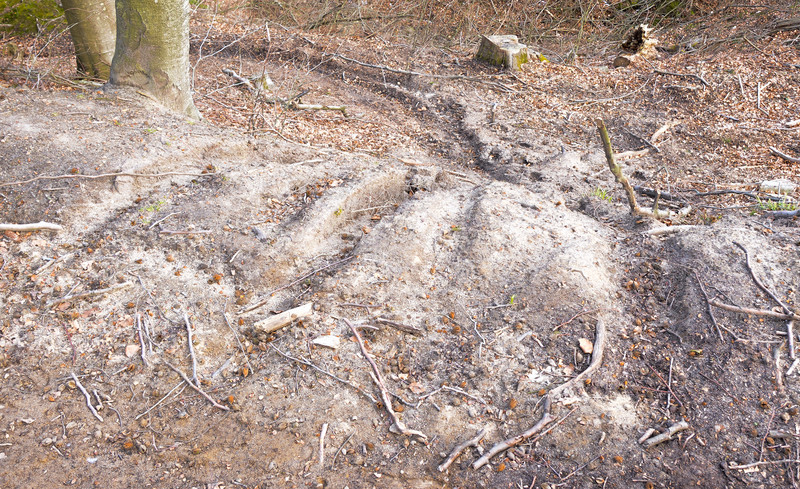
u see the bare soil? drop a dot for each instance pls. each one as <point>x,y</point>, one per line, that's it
<point>477,208</point>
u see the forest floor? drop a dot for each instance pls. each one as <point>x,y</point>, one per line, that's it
<point>466,224</point>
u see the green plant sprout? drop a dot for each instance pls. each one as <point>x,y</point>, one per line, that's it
<point>772,205</point>
<point>602,194</point>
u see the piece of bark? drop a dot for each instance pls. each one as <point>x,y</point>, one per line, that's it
<point>278,321</point>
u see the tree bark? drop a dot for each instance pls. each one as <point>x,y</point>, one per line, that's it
<point>152,51</point>
<point>92,25</point>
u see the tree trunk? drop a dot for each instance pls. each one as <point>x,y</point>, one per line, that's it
<point>152,51</point>
<point>92,25</point>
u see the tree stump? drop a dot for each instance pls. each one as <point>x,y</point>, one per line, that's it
<point>503,51</point>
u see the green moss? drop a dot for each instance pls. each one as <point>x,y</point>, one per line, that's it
<point>520,59</point>
<point>25,16</point>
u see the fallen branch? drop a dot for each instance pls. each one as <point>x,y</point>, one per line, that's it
<point>397,425</point>
<point>36,226</point>
<point>107,175</point>
<point>473,442</point>
<point>667,435</point>
<point>776,356</point>
<point>241,81</point>
<point>754,312</point>
<point>278,321</point>
<point>91,293</point>
<point>88,397</point>
<point>779,214</point>
<point>650,192</point>
<point>597,359</point>
<point>547,417</point>
<point>777,152</point>
<point>196,388</point>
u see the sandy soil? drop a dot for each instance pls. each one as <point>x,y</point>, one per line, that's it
<point>477,209</point>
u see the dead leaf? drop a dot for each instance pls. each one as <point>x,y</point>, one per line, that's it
<point>416,388</point>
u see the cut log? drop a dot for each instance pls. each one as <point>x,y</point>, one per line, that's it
<point>276,322</point>
<point>503,51</point>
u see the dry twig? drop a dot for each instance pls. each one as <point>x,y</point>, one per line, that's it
<point>278,321</point>
<point>397,426</point>
<point>754,312</point>
<point>88,397</point>
<point>759,282</point>
<point>776,152</point>
<point>197,388</point>
<point>309,364</point>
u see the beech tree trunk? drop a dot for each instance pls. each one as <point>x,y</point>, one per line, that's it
<point>152,51</point>
<point>92,25</point>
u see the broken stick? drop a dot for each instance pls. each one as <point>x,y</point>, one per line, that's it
<point>36,226</point>
<point>278,321</point>
<point>397,426</point>
<point>667,435</point>
<point>473,442</point>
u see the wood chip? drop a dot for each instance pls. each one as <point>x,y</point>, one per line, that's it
<point>328,341</point>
